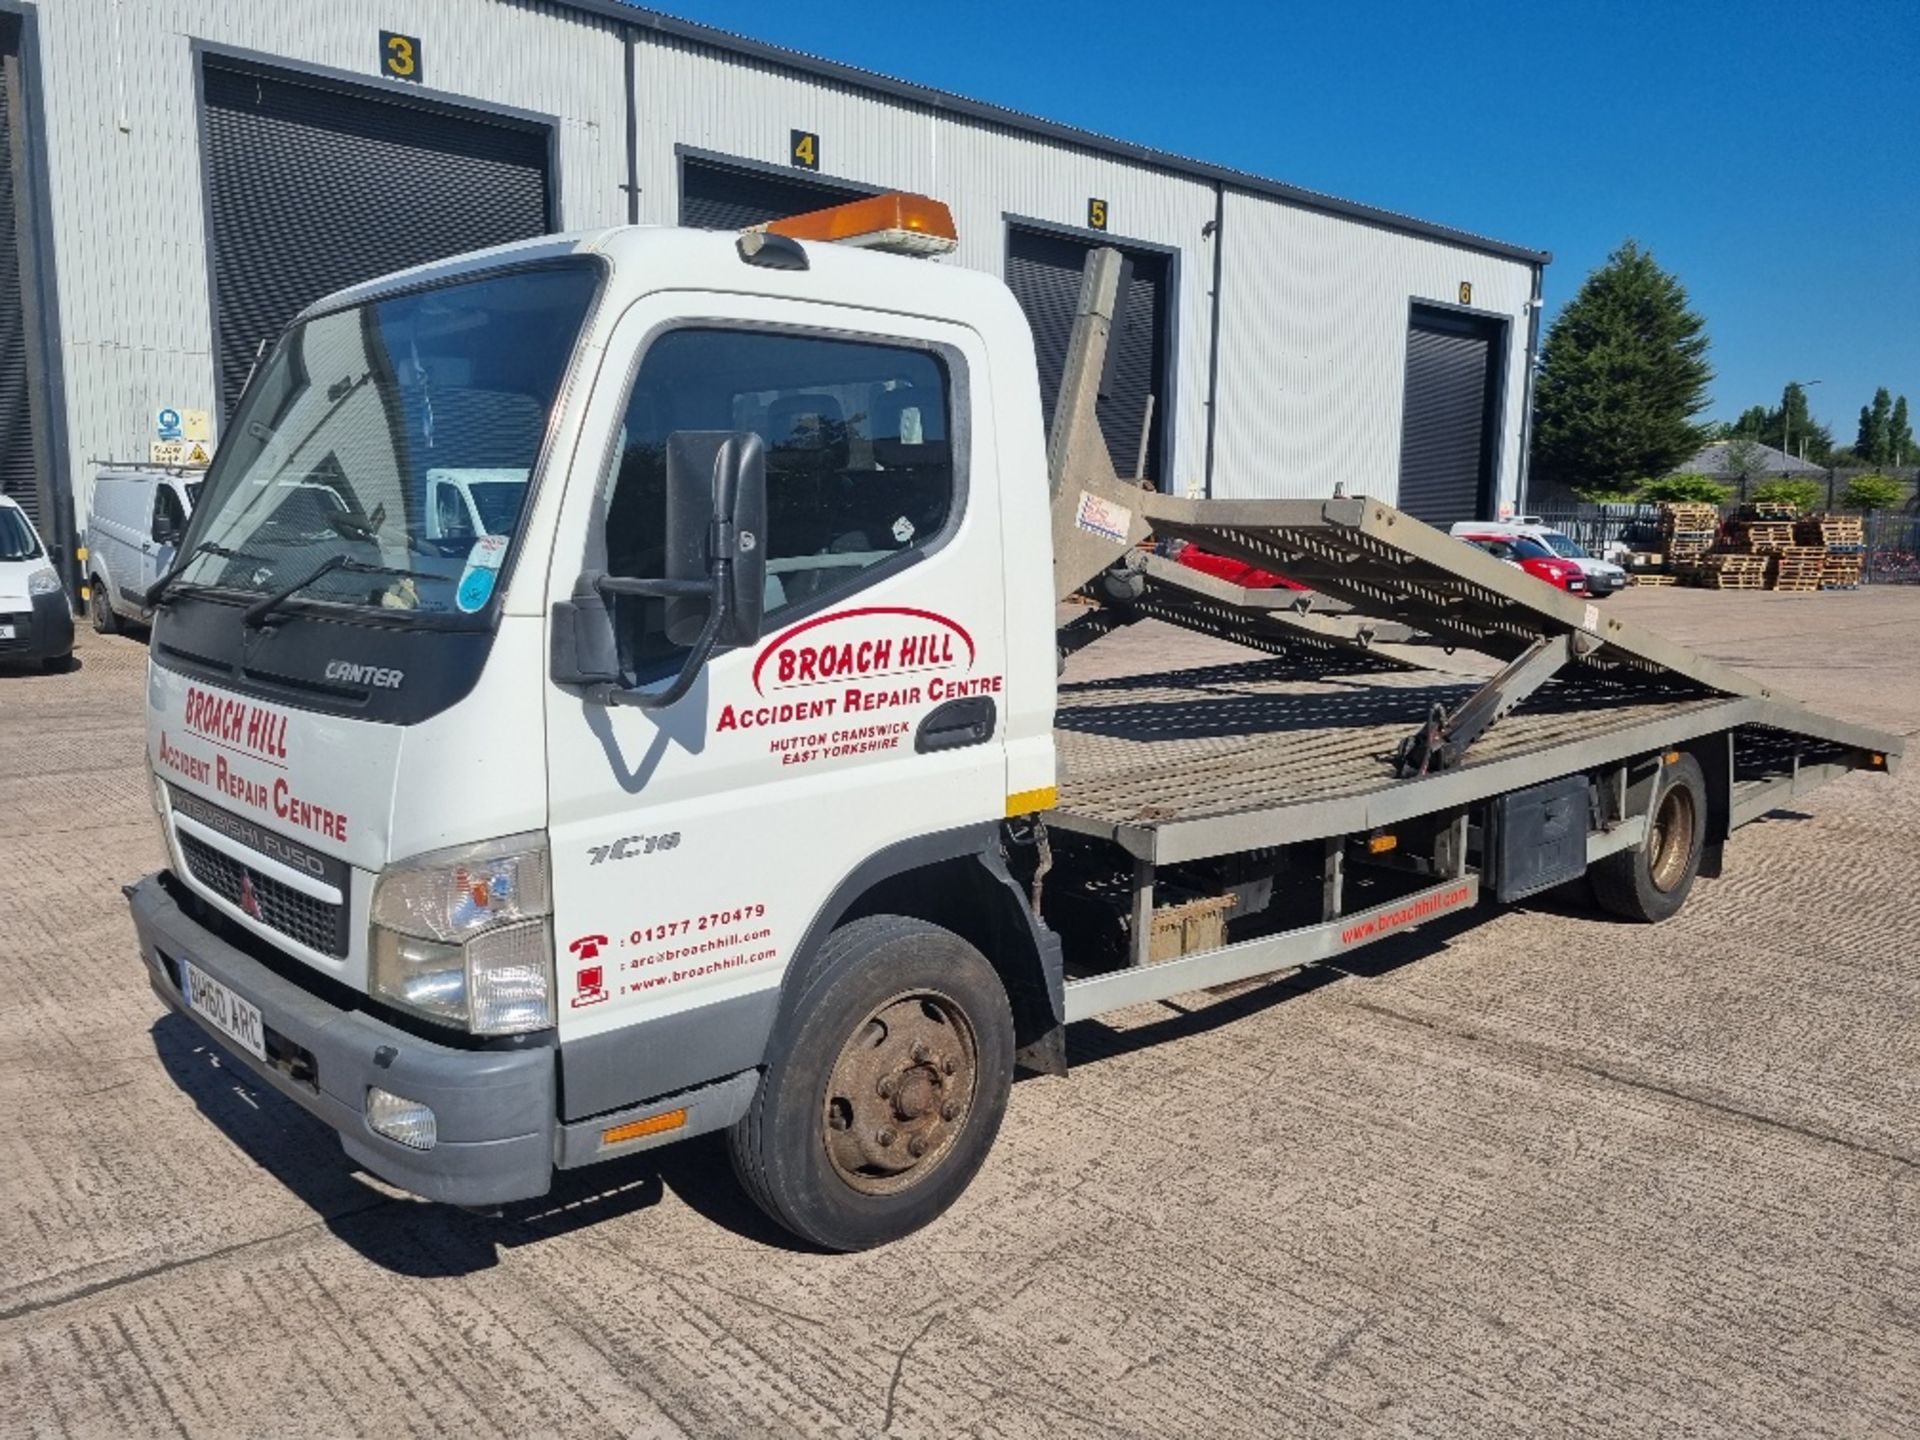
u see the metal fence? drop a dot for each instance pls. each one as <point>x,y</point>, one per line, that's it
<point>1893,548</point>
<point>1596,527</point>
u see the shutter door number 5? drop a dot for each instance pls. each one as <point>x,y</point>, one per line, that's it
<point>399,55</point>
<point>1096,214</point>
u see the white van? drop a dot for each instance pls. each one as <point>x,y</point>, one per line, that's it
<point>36,623</point>
<point>134,522</point>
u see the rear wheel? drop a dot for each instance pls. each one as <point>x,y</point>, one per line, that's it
<point>100,609</point>
<point>887,1089</point>
<point>1652,880</point>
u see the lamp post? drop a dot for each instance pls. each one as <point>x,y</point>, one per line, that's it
<point>1786,415</point>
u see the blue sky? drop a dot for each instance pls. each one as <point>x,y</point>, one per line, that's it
<point>1768,154</point>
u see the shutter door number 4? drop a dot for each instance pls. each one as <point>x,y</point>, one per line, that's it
<point>804,150</point>
<point>400,55</point>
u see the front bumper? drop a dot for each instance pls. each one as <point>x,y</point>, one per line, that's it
<point>42,632</point>
<point>1607,584</point>
<point>494,1109</point>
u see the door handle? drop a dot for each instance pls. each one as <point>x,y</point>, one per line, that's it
<point>955,724</point>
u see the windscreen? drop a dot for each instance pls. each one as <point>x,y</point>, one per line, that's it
<point>360,443</point>
<point>1525,549</point>
<point>1562,545</point>
<point>17,540</point>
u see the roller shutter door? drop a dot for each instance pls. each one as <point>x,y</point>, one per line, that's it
<point>313,187</point>
<point>720,197</point>
<point>19,475</point>
<point>1450,425</point>
<point>1043,271</point>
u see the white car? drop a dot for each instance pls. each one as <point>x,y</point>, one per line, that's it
<point>36,622</point>
<point>1603,576</point>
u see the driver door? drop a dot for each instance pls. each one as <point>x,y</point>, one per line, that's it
<point>693,845</point>
<point>165,524</point>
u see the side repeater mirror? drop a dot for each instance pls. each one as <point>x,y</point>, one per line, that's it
<point>714,588</point>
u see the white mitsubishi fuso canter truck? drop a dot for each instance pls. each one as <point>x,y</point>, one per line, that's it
<point>725,779</point>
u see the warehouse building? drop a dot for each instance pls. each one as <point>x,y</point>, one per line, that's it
<point>184,175</point>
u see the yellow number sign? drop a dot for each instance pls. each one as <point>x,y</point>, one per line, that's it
<point>400,55</point>
<point>1096,214</point>
<point>805,149</point>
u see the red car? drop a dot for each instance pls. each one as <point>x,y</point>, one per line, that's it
<point>1234,572</point>
<point>1534,558</point>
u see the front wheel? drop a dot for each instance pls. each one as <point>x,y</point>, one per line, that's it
<point>100,609</point>
<point>1651,881</point>
<point>887,1089</point>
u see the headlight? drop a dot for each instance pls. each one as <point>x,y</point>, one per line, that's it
<point>463,937</point>
<point>44,581</point>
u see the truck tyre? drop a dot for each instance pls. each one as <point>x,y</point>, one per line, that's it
<point>1651,881</point>
<point>885,1087</point>
<point>100,609</point>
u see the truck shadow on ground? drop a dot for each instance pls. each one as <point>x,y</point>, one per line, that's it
<point>424,1240</point>
<point>421,1239</point>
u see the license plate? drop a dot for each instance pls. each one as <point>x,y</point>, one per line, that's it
<point>6,632</point>
<point>237,1019</point>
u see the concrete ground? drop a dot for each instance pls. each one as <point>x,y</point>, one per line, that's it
<point>1547,1176</point>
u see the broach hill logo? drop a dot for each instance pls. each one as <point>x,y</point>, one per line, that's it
<point>838,668</point>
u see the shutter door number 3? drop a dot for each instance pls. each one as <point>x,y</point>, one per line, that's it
<point>400,55</point>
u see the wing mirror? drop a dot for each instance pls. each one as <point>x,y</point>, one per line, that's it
<point>715,585</point>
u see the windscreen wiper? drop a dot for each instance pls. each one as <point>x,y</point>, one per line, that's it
<point>157,591</point>
<point>257,612</point>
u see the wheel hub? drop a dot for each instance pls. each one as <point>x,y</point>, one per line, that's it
<point>1670,838</point>
<point>900,1092</point>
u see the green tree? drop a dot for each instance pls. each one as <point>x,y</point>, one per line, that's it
<point>1875,440</point>
<point>1872,492</point>
<point>1683,490</point>
<point>1746,457</point>
<point>1792,428</point>
<point>1899,433</point>
<point>1623,373</point>
<point>1752,422</point>
<point>1803,494</point>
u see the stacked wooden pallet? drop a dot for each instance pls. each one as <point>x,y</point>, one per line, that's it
<point>1759,537</point>
<point>1652,577</point>
<point>1688,531</point>
<point>1727,570</point>
<point>1841,572</point>
<point>1797,569</point>
<point>1832,532</point>
<point>1842,540</point>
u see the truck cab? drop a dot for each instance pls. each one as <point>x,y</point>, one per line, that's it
<point>484,847</point>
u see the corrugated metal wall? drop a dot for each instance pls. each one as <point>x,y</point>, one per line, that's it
<point>707,99</point>
<point>1314,324</point>
<point>1313,348</point>
<point>126,202</point>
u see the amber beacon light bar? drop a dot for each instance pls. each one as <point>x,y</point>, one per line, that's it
<point>898,223</point>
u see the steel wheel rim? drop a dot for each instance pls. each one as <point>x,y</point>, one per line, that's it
<point>901,1092</point>
<point>1670,841</point>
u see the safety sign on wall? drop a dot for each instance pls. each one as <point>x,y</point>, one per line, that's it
<point>180,437</point>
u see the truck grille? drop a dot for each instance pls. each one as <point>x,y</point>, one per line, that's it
<point>312,923</point>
